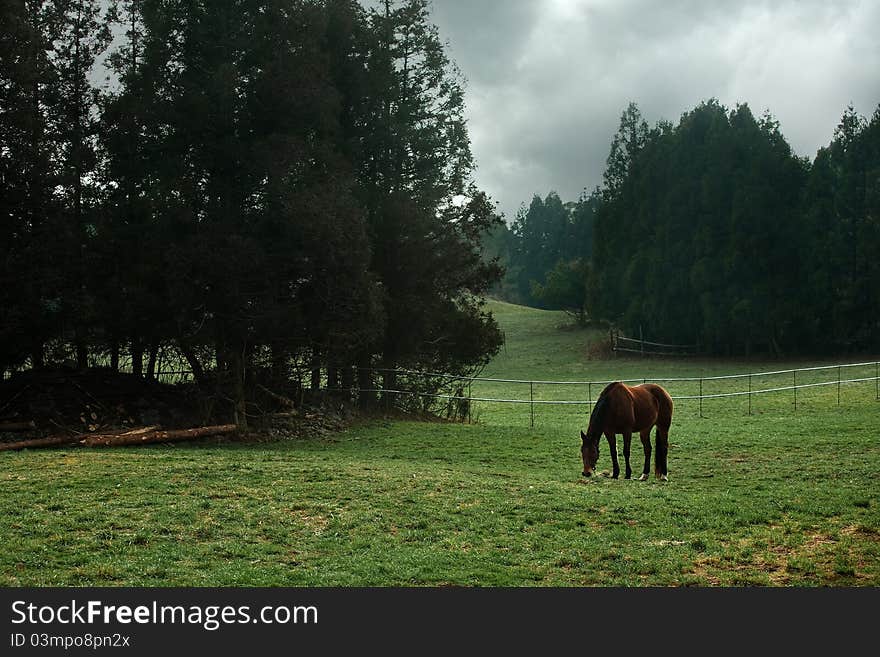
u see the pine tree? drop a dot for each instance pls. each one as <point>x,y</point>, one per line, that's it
<point>83,36</point>
<point>424,213</point>
<point>49,120</point>
<point>28,296</point>
<point>543,237</point>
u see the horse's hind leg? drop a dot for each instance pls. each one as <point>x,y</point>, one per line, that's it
<point>646,445</point>
<point>662,452</point>
<point>612,447</point>
<point>627,441</point>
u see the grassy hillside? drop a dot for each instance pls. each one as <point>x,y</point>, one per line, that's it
<point>779,497</point>
<point>544,346</point>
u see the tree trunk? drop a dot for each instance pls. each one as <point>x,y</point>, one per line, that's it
<point>315,383</point>
<point>239,402</point>
<point>143,436</point>
<point>37,356</point>
<point>137,358</point>
<point>333,379</point>
<point>151,362</point>
<point>194,364</point>
<point>114,356</point>
<point>347,381</point>
<point>82,355</point>
<point>279,363</point>
<point>222,363</point>
<point>40,442</point>
<point>366,398</point>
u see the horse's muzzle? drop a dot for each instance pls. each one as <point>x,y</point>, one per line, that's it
<point>587,474</point>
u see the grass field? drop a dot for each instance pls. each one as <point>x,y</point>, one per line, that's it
<point>781,497</point>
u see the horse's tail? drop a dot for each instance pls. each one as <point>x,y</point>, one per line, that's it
<point>665,407</point>
<point>597,416</point>
<point>664,420</point>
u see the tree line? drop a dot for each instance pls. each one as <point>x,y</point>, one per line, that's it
<point>713,232</point>
<point>264,186</point>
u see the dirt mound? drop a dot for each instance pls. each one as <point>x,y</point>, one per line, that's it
<point>600,350</point>
<point>93,400</point>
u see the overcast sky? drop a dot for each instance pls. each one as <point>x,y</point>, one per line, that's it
<point>547,80</point>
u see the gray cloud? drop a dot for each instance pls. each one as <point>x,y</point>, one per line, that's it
<point>548,79</point>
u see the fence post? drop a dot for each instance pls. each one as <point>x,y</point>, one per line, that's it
<point>794,387</point>
<point>701,396</point>
<point>877,379</point>
<point>470,402</point>
<point>532,402</point>
<point>750,394</point>
<point>838,385</point>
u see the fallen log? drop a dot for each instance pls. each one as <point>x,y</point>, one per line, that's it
<point>165,436</point>
<point>52,441</point>
<point>17,426</point>
<point>143,436</point>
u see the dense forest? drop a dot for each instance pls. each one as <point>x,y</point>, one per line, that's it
<point>262,186</point>
<point>713,232</point>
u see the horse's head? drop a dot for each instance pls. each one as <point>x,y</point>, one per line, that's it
<point>589,451</point>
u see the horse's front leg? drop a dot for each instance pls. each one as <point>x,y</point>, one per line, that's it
<point>612,447</point>
<point>646,445</point>
<point>627,441</point>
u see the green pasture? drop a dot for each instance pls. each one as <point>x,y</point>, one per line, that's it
<point>784,496</point>
<point>545,354</point>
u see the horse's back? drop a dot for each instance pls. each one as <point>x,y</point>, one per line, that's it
<point>661,400</point>
<point>645,409</point>
<point>634,408</point>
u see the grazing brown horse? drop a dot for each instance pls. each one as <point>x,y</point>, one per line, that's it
<point>626,409</point>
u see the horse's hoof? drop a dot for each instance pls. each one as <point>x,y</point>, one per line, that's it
<point>643,478</point>
<point>663,478</point>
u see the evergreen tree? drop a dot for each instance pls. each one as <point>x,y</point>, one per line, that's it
<point>49,124</point>
<point>424,213</point>
<point>627,143</point>
<point>498,243</point>
<point>697,242</point>
<point>131,292</point>
<point>840,207</point>
<point>226,145</point>
<point>542,237</point>
<point>28,289</point>
<point>83,36</point>
<point>301,178</point>
<point>566,289</point>
<point>615,213</point>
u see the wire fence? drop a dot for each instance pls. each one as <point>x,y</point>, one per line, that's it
<point>698,390</point>
<point>474,393</point>
<point>468,396</point>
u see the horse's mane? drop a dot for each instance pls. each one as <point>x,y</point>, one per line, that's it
<point>598,414</point>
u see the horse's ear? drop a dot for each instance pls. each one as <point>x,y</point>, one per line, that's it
<point>583,436</point>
